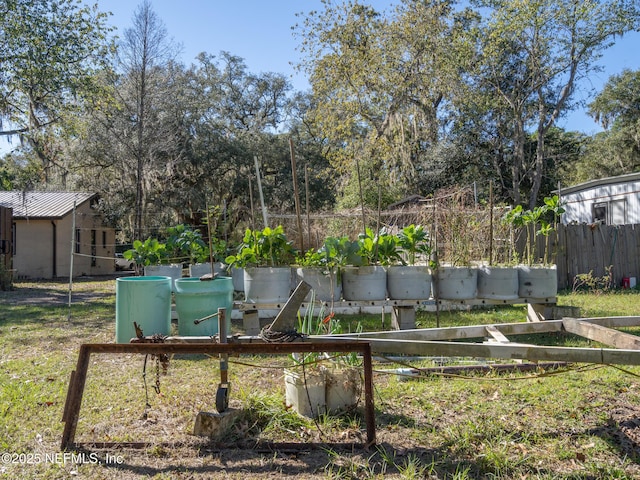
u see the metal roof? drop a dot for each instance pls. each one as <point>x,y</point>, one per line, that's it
<point>42,204</point>
<point>629,177</point>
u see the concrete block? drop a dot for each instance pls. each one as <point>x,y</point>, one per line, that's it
<point>251,323</point>
<point>403,318</point>
<point>215,425</point>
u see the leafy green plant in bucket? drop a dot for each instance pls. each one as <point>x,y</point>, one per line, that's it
<point>263,248</point>
<point>414,242</point>
<point>546,216</point>
<point>334,252</point>
<point>149,252</point>
<point>186,244</point>
<point>380,249</point>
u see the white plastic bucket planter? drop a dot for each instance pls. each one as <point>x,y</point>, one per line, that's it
<point>197,299</point>
<point>305,392</point>
<point>409,282</point>
<point>324,283</point>
<point>497,283</point>
<point>364,283</point>
<point>146,301</point>
<point>172,271</point>
<point>237,274</point>
<point>537,281</point>
<point>457,283</point>
<point>343,388</point>
<point>267,284</point>
<point>199,269</point>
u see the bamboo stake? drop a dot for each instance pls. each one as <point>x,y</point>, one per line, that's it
<point>253,213</point>
<point>306,188</point>
<point>364,222</point>
<point>490,222</point>
<point>264,209</point>
<point>294,175</point>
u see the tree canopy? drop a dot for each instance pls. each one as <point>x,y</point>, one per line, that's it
<point>423,96</point>
<point>50,52</point>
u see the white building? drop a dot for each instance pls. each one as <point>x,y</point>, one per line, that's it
<point>611,201</point>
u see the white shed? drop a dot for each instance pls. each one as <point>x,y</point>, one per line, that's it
<point>611,201</point>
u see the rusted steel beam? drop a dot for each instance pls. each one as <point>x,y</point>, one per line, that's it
<point>74,396</point>
<point>78,380</point>
<point>343,346</point>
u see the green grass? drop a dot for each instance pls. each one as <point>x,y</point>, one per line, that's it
<point>574,423</point>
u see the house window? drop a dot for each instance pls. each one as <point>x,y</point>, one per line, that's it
<point>104,239</point>
<point>617,212</point>
<point>77,249</point>
<point>93,248</point>
<point>600,213</point>
<point>613,212</point>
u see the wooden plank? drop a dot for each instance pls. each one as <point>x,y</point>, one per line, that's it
<point>479,331</point>
<point>561,257</point>
<point>599,333</point>
<point>496,334</point>
<point>403,318</point>
<point>506,351</point>
<point>287,318</point>
<point>615,322</point>
<point>629,269</point>
<point>532,314</point>
<point>600,235</point>
<point>457,333</point>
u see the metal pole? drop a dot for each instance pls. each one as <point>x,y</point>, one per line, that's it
<point>210,241</point>
<point>364,221</point>
<point>222,395</point>
<point>73,241</point>
<point>475,195</point>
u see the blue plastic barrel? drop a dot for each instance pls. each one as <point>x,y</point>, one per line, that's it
<point>146,301</point>
<point>197,299</point>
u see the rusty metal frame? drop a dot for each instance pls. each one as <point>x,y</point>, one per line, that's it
<point>79,375</point>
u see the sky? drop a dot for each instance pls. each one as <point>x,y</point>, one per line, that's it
<point>260,32</point>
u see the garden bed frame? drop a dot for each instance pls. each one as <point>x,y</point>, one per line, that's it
<point>448,341</point>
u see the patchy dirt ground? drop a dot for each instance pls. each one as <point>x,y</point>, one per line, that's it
<point>51,293</point>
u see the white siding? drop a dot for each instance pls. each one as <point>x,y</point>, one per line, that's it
<point>621,201</point>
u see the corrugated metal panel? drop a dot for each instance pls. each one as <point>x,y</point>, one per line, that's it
<point>42,204</point>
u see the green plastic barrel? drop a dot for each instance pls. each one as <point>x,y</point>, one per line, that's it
<point>197,299</point>
<point>146,301</point>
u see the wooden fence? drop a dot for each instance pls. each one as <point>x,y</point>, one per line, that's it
<point>597,249</point>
